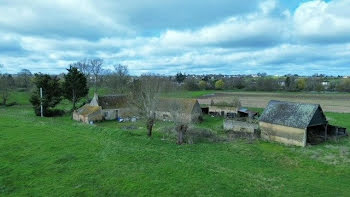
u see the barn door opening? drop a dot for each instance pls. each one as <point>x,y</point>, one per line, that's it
<point>116,114</point>
<point>316,134</point>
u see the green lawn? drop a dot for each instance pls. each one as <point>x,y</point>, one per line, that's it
<point>60,157</point>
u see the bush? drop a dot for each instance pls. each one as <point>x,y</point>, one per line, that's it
<point>301,84</point>
<point>344,85</point>
<point>219,85</point>
<point>191,84</point>
<point>196,135</point>
<point>202,85</point>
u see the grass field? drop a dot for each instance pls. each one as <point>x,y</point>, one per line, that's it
<point>60,157</point>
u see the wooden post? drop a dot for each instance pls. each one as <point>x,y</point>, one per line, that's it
<point>41,103</point>
<point>336,133</point>
<point>325,132</point>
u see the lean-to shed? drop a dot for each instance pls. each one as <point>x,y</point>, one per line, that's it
<point>293,123</point>
<point>88,113</point>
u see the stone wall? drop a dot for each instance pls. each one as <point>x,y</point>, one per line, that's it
<point>240,126</point>
<point>219,109</point>
<point>283,134</point>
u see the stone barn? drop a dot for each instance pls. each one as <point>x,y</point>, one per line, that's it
<point>223,109</point>
<point>88,114</point>
<point>293,123</point>
<point>188,110</point>
<point>113,106</point>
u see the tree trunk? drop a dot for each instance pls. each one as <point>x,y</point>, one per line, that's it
<point>181,130</point>
<point>74,100</point>
<point>150,123</point>
<point>95,84</point>
<point>4,98</point>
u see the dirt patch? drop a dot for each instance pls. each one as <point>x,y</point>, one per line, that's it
<point>329,102</point>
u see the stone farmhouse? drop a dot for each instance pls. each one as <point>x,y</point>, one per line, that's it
<point>103,108</point>
<point>223,109</point>
<point>187,110</point>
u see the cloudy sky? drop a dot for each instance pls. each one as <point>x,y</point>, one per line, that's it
<point>168,36</point>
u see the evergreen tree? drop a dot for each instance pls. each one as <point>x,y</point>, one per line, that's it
<point>52,93</point>
<point>74,86</point>
<point>180,77</point>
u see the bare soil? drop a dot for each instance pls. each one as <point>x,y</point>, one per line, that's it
<point>330,102</point>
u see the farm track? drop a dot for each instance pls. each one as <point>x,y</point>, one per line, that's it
<point>330,102</point>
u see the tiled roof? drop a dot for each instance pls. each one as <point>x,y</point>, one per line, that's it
<point>112,101</point>
<point>297,115</point>
<point>88,109</point>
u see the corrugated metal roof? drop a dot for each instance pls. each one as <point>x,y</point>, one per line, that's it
<point>297,115</point>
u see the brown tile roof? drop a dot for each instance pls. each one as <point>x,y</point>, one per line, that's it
<point>88,109</point>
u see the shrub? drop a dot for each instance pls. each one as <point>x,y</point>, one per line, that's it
<point>191,84</point>
<point>202,85</point>
<point>219,85</point>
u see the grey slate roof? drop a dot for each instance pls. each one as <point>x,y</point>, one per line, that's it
<point>112,101</point>
<point>297,115</point>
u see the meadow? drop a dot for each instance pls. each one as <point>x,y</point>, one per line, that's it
<point>61,157</point>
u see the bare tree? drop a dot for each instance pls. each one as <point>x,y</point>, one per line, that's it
<point>6,84</point>
<point>181,124</point>
<point>120,78</point>
<point>96,69</point>
<point>83,66</point>
<point>144,95</point>
<point>24,78</point>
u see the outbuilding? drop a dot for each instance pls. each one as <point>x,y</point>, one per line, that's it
<point>88,114</point>
<point>187,110</point>
<point>293,123</point>
<point>223,109</point>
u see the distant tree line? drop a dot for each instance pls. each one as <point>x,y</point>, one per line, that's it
<point>118,80</point>
<point>263,82</point>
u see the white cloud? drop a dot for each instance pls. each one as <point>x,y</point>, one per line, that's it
<point>319,21</point>
<point>48,36</point>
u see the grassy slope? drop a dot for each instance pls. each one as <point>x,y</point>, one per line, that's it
<point>56,156</point>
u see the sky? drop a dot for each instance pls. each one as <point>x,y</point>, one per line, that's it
<point>169,36</point>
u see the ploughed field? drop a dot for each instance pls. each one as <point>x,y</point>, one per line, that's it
<point>61,157</point>
<point>330,102</point>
